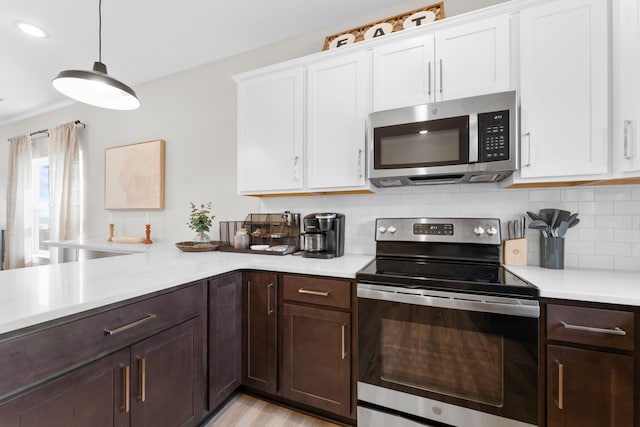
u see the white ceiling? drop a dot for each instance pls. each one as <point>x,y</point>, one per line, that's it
<point>144,39</point>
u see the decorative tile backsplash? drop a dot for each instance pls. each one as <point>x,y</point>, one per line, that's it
<point>608,235</point>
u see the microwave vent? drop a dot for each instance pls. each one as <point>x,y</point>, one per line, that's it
<point>489,177</point>
<point>391,182</point>
<point>435,179</point>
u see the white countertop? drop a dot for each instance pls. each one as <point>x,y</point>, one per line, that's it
<point>595,285</point>
<point>29,296</point>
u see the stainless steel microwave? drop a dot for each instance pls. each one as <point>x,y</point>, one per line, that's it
<point>458,141</point>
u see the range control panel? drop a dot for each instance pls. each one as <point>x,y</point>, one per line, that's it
<point>454,230</point>
<point>493,132</point>
<point>433,229</point>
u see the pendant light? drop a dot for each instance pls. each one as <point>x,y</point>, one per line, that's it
<point>96,87</point>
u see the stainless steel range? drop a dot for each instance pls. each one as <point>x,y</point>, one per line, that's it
<point>446,335</point>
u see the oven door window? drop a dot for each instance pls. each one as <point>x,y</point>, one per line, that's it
<point>455,362</point>
<point>423,144</point>
<point>481,361</point>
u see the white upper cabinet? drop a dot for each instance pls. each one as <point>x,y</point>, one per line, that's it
<point>456,62</point>
<point>626,88</point>
<point>564,95</point>
<point>473,59</point>
<point>336,114</point>
<point>403,73</point>
<point>270,132</point>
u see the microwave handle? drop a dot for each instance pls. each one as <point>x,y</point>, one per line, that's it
<point>474,140</point>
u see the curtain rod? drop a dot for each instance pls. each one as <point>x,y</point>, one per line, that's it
<point>77,123</point>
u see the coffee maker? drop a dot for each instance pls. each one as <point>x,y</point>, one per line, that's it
<point>324,235</point>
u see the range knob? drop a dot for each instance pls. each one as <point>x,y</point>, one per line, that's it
<point>478,231</point>
<point>392,229</point>
<point>491,230</point>
<point>382,229</point>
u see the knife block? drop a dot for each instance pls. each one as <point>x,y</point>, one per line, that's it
<point>514,252</point>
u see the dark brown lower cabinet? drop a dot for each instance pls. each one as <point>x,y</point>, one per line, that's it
<point>259,330</point>
<point>158,381</point>
<point>225,337</point>
<point>94,395</point>
<point>167,377</point>
<point>316,366</point>
<point>588,388</point>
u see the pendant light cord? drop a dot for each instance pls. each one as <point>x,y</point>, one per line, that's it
<point>100,30</point>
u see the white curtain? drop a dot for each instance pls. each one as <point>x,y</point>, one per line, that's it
<point>64,185</point>
<point>19,238</point>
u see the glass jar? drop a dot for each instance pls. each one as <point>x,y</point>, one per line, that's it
<point>201,237</point>
<point>241,239</point>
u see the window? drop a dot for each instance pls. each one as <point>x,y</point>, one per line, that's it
<point>40,186</point>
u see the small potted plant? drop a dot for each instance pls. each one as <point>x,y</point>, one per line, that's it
<point>200,221</point>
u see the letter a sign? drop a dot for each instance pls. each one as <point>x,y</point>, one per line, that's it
<point>378,30</point>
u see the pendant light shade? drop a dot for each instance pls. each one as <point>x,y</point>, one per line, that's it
<point>96,87</point>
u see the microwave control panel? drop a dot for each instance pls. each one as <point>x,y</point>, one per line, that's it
<point>493,134</point>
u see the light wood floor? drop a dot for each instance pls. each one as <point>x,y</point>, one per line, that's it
<point>248,411</point>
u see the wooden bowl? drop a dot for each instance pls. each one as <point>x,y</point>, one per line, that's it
<point>197,247</point>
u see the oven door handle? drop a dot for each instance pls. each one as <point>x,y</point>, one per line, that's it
<point>457,301</point>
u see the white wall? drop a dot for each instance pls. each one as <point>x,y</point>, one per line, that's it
<point>195,113</point>
<point>608,235</point>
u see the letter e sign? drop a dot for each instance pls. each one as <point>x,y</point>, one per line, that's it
<point>378,30</point>
<point>342,40</point>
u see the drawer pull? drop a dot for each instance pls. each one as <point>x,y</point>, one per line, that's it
<point>126,388</point>
<point>614,331</point>
<point>129,325</point>
<point>317,293</point>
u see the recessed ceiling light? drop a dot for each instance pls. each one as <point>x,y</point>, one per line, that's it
<point>31,30</point>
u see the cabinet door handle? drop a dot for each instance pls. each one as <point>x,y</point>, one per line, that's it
<point>560,385</point>
<point>528,135</point>
<point>129,325</point>
<point>269,309</point>
<point>615,331</point>
<point>360,163</point>
<point>125,372</point>
<point>296,159</point>
<point>627,145</point>
<point>142,379</point>
<point>343,352</point>
<point>429,77</point>
<point>441,76</point>
<point>309,292</point>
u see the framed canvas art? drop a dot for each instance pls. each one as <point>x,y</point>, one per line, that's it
<point>134,176</point>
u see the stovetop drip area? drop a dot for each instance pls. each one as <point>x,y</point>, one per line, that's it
<point>444,275</point>
<point>451,254</point>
